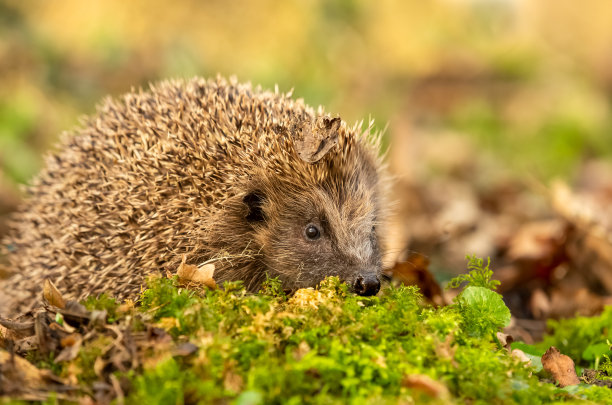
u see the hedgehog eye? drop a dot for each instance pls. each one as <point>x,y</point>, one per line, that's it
<point>312,232</point>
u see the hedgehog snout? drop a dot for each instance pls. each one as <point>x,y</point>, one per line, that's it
<point>367,284</point>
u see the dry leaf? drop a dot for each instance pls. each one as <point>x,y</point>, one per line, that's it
<point>72,345</point>
<point>52,295</point>
<point>519,354</point>
<point>505,339</point>
<point>538,240</point>
<point>203,275</point>
<point>426,385</point>
<point>560,366</point>
<point>415,271</point>
<point>20,372</point>
<point>540,304</point>
<point>312,144</point>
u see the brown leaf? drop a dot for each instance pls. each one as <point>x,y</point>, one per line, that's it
<point>72,346</point>
<point>47,341</point>
<point>540,304</point>
<point>314,140</point>
<point>590,213</point>
<point>20,379</point>
<point>52,296</point>
<point>19,371</point>
<point>538,240</point>
<point>203,275</point>
<point>571,300</point>
<point>519,354</point>
<point>15,329</point>
<point>415,271</point>
<point>505,339</point>
<point>426,385</point>
<point>560,366</point>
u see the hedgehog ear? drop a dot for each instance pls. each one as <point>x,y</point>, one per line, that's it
<point>254,202</point>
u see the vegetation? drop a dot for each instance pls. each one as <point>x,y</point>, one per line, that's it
<point>328,345</point>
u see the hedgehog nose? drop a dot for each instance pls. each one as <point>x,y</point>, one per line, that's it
<point>367,285</point>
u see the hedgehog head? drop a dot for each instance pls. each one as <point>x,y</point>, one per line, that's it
<point>306,216</point>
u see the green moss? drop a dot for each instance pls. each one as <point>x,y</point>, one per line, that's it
<point>87,357</point>
<point>573,336</point>
<point>327,346</point>
<point>103,302</point>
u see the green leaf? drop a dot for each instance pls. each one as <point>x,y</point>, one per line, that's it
<point>484,311</point>
<point>527,349</point>
<point>595,350</point>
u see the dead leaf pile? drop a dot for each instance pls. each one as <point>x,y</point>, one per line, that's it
<point>550,246</point>
<point>63,328</point>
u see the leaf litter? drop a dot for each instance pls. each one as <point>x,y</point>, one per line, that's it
<point>204,344</point>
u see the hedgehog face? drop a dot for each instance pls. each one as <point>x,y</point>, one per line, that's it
<point>307,235</point>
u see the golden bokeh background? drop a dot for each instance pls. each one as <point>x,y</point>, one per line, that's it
<point>529,83</point>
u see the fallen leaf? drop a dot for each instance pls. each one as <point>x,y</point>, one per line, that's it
<point>539,240</point>
<point>426,385</point>
<point>203,275</point>
<point>415,271</point>
<point>505,339</point>
<point>19,371</point>
<point>539,304</point>
<point>72,346</point>
<point>314,140</point>
<point>15,330</point>
<point>52,296</point>
<point>519,354</point>
<point>560,366</point>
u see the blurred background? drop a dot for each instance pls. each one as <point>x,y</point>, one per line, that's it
<point>483,102</point>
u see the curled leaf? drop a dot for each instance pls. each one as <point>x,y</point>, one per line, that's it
<point>314,140</point>
<point>426,385</point>
<point>52,296</point>
<point>203,275</point>
<point>560,366</point>
<point>72,346</point>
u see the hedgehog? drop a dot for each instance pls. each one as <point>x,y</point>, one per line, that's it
<point>196,171</point>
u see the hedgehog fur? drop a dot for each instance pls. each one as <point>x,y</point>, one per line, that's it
<point>199,170</point>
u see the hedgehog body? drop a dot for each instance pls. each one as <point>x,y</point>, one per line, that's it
<point>199,170</point>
